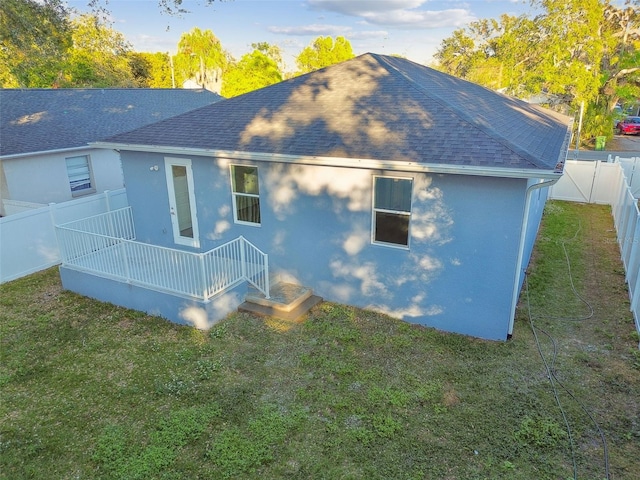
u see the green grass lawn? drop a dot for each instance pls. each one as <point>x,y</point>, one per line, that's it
<point>89,390</point>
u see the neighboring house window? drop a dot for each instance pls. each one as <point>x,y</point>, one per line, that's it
<point>79,175</point>
<point>246,194</point>
<point>391,210</point>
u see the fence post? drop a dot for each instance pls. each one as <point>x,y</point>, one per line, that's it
<point>635,304</point>
<point>107,200</point>
<point>52,214</point>
<point>632,273</point>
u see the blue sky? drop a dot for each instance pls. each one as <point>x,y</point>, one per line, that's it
<point>411,28</point>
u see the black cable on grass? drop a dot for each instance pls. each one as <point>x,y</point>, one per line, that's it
<point>573,287</point>
<point>605,448</point>
<point>550,376</point>
<point>553,379</point>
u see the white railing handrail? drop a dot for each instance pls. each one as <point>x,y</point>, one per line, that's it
<point>115,223</point>
<point>263,286</point>
<point>208,273</point>
<point>70,225</point>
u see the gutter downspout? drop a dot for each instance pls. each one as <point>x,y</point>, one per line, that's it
<point>523,236</point>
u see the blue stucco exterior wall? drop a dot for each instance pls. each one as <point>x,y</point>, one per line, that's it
<point>457,275</point>
<point>536,206</point>
<point>177,309</point>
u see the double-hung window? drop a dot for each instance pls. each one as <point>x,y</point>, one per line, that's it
<point>246,194</point>
<point>79,174</point>
<point>391,210</point>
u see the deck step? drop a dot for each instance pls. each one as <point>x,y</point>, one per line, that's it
<point>294,315</point>
<point>287,302</point>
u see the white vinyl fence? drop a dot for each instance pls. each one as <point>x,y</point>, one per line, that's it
<point>11,207</point>
<point>28,240</point>
<point>617,184</point>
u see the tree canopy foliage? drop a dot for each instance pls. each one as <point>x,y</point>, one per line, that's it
<point>254,70</point>
<point>322,52</point>
<point>43,46</point>
<point>99,57</point>
<point>34,39</point>
<point>575,52</point>
<point>201,57</point>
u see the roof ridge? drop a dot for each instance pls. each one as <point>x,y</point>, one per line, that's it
<point>493,134</point>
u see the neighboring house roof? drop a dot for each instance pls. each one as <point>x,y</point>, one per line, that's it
<point>39,120</point>
<point>371,107</point>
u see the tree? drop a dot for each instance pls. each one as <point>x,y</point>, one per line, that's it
<point>272,51</point>
<point>324,51</point>
<point>156,70</point>
<point>254,70</point>
<point>35,36</point>
<point>99,56</point>
<point>621,62</point>
<point>575,52</point>
<point>202,58</point>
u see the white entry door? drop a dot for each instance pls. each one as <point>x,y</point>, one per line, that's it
<point>182,201</point>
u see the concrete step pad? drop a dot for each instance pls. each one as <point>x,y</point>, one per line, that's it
<point>284,297</point>
<point>292,315</point>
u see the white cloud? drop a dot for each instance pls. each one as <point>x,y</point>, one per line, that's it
<point>419,19</point>
<point>315,29</point>
<point>358,7</point>
<point>404,14</point>
<point>368,34</point>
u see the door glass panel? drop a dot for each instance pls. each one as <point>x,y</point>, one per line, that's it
<point>182,201</point>
<point>183,206</point>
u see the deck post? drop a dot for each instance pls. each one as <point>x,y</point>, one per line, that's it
<point>243,260</point>
<point>125,260</point>
<point>266,277</point>
<point>203,278</point>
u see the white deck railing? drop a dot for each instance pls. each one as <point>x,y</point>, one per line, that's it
<point>105,245</point>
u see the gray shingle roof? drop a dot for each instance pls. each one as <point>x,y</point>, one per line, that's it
<point>373,107</point>
<point>36,120</point>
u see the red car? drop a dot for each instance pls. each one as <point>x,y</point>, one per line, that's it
<point>629,125</point>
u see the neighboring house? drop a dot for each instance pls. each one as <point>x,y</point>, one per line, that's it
<point>44,136</point>
<point>377,182</point>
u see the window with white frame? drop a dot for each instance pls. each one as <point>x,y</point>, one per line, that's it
<point>391,210</point>
<point>79,174</point>
<point>246,194</point>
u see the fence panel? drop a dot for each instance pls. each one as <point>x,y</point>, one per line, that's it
<point>28,243</point>
<point>586,182</point>
<point>606,174</point>
<point>631,167</point>
<point>12,207</point>
<point>28,239</point>
<point>576,183</point>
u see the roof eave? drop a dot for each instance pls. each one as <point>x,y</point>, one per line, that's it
<point>13,156</point>
<point>397,165</point>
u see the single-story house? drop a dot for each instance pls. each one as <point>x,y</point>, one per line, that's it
<point>376,182</point>
<point>44,136</point>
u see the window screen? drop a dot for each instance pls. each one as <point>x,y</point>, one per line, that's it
<point>246,194</point>
<point>392,210</point>
<point>79,173</point>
